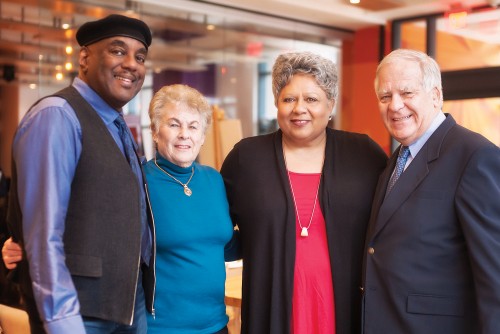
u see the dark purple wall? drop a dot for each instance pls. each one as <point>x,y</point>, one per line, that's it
<point>202,81</point>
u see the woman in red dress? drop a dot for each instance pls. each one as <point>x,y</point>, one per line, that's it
<point>301,197</point>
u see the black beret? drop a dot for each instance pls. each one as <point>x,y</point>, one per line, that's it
<point>113,25</point>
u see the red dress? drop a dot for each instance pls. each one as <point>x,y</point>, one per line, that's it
<point>313,309</point>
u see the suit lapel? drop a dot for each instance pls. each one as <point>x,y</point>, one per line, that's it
<point>404,187</point>
<point>378,198</point>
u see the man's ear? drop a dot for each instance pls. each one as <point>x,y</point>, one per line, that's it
<point>83,58</point>
<point>436,97</point>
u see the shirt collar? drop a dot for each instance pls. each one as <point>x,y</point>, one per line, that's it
<point>419,143</point>
<point>104,110</point>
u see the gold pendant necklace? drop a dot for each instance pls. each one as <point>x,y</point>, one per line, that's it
<point>187,191</point>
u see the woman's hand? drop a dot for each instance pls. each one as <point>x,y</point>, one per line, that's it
<point>11,254</point>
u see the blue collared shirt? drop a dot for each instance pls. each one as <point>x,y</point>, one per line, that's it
<point>46,148</point>
<point>419,143</point>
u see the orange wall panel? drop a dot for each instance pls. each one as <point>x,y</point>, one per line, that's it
<point>360,58</point>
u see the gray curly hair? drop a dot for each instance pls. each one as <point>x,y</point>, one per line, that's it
<point>290,63</point>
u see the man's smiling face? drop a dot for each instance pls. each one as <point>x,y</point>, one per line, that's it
<point>407,109</point>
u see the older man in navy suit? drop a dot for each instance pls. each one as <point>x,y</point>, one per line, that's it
<point>432,258</point>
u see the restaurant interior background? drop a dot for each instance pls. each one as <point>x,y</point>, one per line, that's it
<point>226,49</point>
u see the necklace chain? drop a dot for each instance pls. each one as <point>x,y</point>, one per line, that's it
<point>187,191</point>
<point>304,231</point>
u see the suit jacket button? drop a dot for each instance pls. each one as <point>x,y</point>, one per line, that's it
<point>371,250</point>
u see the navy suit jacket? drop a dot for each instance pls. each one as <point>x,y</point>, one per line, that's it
<point>432,256</point>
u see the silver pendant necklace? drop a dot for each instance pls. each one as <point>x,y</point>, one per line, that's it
<point>304,231</point>
<point>187,191</point>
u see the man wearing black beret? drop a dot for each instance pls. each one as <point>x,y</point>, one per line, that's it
<point>78,205</point>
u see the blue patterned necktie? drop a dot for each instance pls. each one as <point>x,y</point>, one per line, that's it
<point>404,152</point>
<point>129,145</point>
<point>130,149</point>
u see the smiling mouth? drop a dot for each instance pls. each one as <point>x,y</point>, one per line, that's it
<point>300,121</point>
<point>125,80</point>
<point>401,118</point>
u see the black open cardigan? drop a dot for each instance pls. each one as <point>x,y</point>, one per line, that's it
<point>262,206</point>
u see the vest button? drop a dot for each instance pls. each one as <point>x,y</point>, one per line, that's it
<point>371,250</point>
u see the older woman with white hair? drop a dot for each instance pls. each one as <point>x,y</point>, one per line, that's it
<point>191,215</point>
